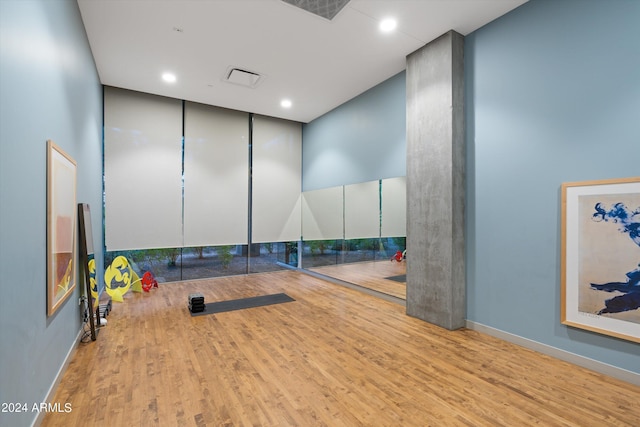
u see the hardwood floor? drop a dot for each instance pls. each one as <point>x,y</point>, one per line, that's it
<point>333,357</point>
<point>370,275</point>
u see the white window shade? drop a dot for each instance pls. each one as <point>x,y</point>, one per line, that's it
<point>362,210</point>
<point>142,170</point>
<point>323,214</point>
<point>276,180</point>
<point>394,207</point>
<point>216,176</point>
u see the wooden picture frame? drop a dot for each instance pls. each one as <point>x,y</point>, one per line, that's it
<point>61,227</point>
<point>600,257</point>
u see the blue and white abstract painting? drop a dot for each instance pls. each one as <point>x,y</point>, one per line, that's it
<point>609,256</point>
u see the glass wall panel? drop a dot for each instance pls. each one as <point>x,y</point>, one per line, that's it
<point>269,256</point>
<point>289,254</point>
<point>276,180</point>
<point>142,170</point>
<point>212,261</point>
<point>216,176</point>
<point>174,264</point>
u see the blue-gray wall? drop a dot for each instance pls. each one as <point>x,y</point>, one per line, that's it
<point>553,95</point>
<point>49,89</point>
<point>361,140</point>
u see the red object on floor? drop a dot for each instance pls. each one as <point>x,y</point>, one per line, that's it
<point>148,281</point>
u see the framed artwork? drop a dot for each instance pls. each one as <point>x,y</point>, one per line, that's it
<point>600,266</point>
<point>61,226</point>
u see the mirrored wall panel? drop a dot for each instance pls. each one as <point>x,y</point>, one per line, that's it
<point>357,233</point>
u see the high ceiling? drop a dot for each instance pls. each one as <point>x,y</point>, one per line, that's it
<point>315,62</point>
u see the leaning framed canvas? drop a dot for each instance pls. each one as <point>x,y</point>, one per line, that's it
<point>61,226</point>
<point>600,266</point>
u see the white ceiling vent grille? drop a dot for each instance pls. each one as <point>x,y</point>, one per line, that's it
<point>242,77</point>
<point>327,9</point>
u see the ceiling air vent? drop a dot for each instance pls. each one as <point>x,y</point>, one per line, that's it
<point>327,9</point>
<point>242,77</point>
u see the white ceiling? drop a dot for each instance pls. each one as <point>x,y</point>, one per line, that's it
<point>318,64</point>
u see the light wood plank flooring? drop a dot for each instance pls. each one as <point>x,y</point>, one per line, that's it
<point>334,357</point>
<point>370,275</point>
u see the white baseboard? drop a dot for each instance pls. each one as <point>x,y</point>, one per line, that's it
<point>585,362</point>
<point>54,386</point>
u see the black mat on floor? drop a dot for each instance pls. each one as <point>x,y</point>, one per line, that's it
<point>400,278</point>
<point>239,304</point>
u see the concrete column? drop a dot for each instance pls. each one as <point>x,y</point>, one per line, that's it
<point>435,182</point>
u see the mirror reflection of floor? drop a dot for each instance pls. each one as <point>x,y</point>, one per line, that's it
<point>374,275</point>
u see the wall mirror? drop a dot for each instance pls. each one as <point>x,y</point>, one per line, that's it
<point>87,265</point>
<point>357,233</point>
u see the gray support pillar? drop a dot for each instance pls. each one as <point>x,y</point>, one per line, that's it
<point>435,182</point>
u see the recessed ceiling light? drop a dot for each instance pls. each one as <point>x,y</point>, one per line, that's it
<point>388,24</point>
<point>286,103</point>
<point>169,77</point>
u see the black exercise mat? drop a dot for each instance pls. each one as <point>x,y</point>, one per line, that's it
<point>400,278</point>
<point>239,304</point>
